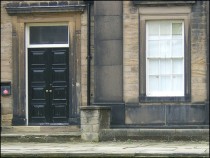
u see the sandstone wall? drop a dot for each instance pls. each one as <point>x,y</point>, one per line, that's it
<point>198,46</point>
<point>6,63</point>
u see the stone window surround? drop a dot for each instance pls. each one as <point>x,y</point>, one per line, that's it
<point>164,13</point>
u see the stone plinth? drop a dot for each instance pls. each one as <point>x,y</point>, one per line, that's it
<point>93,119</point>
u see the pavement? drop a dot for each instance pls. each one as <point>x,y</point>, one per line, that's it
<point>143,148</point>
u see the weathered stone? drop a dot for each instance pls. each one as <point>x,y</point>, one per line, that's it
<point>94,137</point>
<point>92,125</point>
<point>87,128</point>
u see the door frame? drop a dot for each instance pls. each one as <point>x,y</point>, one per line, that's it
<point>19,22</point>
<point>71,29</point>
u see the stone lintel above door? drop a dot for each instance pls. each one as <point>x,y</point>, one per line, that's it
<point>44,7</point>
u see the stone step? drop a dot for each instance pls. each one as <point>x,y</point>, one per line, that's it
<point>39,129</point>
<point>41,137</point>
<point>40,133</point>
<point>155,134</point>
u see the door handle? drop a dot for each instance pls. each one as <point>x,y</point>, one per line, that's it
<point>46,91</point>
<point>50,91</point>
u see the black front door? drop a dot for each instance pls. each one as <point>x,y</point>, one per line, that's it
<point>48,85</point>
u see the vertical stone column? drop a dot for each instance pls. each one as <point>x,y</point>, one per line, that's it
<point>108,52</point>
<point>93,119</point>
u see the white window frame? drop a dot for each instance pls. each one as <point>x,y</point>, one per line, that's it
<point>28,45</point>
<point>166,93</point>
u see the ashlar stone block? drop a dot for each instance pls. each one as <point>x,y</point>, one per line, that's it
<point>93,120</point>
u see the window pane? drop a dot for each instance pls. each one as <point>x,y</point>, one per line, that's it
<point>177,48</point>
<point>153,67</point>
<point>165,83</point>
<point>165,66</point>
<point>178,85</point>
<point>165,57</point>
<point>165,28</point>
<point>153,47</point>
<point>153,28</point>
<point>153,84</point>
<point>165,48</point>
<point>49,35</point>
<point>176,28</point>
<point>177,66</point>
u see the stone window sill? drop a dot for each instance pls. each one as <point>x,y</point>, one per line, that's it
<point>154,2</point>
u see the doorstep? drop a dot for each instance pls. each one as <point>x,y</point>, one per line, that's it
<point>40,133</point>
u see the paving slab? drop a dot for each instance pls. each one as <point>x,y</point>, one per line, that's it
<point>106,149</point>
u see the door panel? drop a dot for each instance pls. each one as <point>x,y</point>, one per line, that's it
<point>38,100</point>
<point>48,84</point>
<point>59,75</point>
<point>60,90</point>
